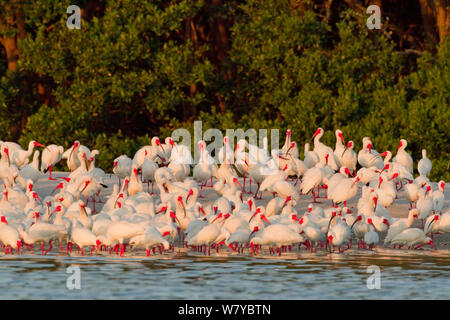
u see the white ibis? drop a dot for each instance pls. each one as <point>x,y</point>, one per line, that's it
<point>31,171</point>
<point>119,231</point>
<point>369,157</point>
<point>84,237</point>
<point>51,155</point>
<point>439,197</point>
<point>345,190</point>
<point>425,203</point>
<point>122,167</point>
<point>276,234</point>
<point>203,171</point>
<point>151,238</point>
<point>148,170</point>
<point>41,232</point>
<point>311,157</point>
<point>348,157</point>
<point>322,150</point>
<point>135,185</point>
<point>404,157</point>
<point>10,238</point>
<point>21,157</point>
<point>313,178</point>
<point>226,151</point>
<point>412,237</point>
<point>340,146</point>
<point>424,166</point>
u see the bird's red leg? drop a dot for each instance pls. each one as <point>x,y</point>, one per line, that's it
<point>50,170</point>
<point>201,190</point>
<point>99,198</point>
<point>50,247</point>
<point>314,197</point>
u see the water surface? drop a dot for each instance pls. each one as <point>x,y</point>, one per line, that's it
<point>187,275</point>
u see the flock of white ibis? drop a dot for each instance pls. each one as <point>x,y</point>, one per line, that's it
<point>232,217</point>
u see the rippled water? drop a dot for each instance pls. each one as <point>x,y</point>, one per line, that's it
<point>182,275</point>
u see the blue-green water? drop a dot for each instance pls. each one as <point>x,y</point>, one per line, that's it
<point>185,275</point>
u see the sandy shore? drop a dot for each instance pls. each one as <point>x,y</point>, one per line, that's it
<point>398,209</point>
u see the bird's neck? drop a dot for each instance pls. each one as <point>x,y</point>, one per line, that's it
<point>92,165</point>
<point>35,163</point>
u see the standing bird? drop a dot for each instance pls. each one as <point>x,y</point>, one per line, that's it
<point>404,157</point>
<point>148,170</point>
<point>226,152</point>
<point>340,146</point>
<point>98,174</point>
<point>371,237</point>
<point>411,193</point>
<point>119,231</point>
<point>71,155</point>
<point>345,190</point>
<point>348,158</point>
<point>21,157</point>
<point>149,239</point>
<point>83,237</point>
<point>425,203</point>
<point>311,157</point>
<point>439,197</point>
<point>51,155</point>
<point>204,170</point>
<point>339,234</point>
<point>401,225</point>
<point>424,166</point>
<point>412,237</point>
<point>313,178</point>
<point>322,150</point>
<point>9,237</point>
<point>242,163</point>
<point>122,167</point>
<point>31,171</point>
<point>135,184</point>
<point>287,142</point>
<point>369,157</point>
